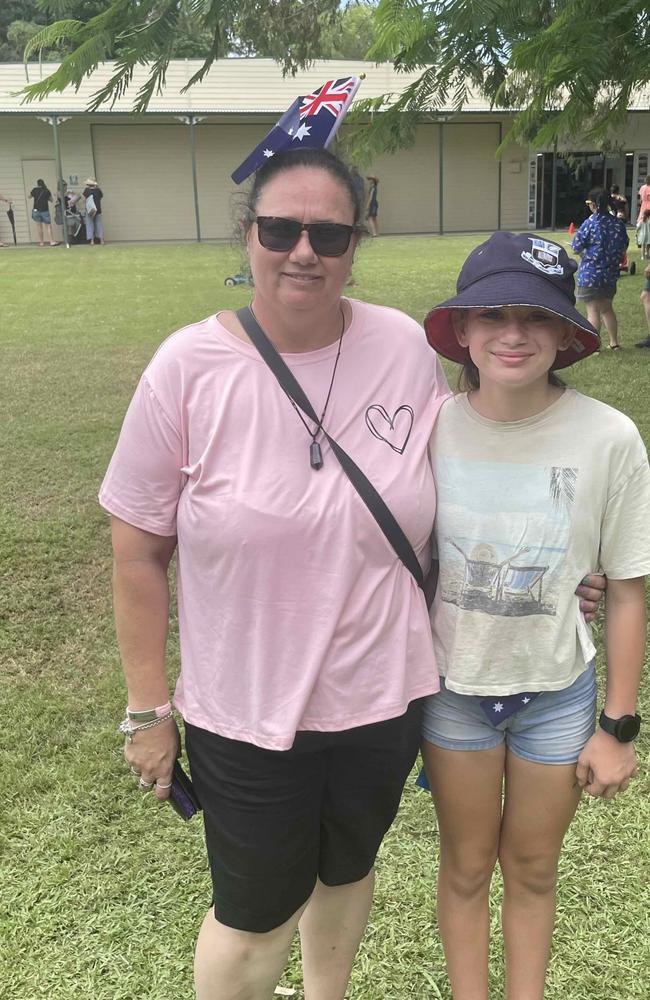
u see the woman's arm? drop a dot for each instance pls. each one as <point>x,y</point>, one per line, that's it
<point>141,604</point>
<point>605,765</point>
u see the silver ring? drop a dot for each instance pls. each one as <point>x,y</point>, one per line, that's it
<point>145,784</point>
<point>158,785</point>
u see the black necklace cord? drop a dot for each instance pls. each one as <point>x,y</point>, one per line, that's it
<point>315,453</point>
<point>370,496</point>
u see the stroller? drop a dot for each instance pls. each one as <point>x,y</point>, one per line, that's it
<point>74,219</point>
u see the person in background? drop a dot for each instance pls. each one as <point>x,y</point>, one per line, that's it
<point>359,185</point>
<point>536,485</point>
<point>7,202</point>
<point>643,235</point>
<point>618,202</point>
<point>601,242</point>
<point>644,198</point>
<point>645,302</point>
<point>94,217</point>
<point>372,210</point>
<point>41,212</point>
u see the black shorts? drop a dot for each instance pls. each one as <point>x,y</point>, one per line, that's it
<point>278,820</point>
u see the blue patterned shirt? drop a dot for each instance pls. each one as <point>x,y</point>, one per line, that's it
<point>601,242</point>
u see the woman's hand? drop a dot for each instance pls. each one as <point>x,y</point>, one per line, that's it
<point>591,591</point>
<point>151,756</point>
<point>605,766</point>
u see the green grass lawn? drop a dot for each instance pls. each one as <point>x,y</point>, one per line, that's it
<point>101,892</point>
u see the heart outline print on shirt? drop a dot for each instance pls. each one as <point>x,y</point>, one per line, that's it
<point>395,431</point>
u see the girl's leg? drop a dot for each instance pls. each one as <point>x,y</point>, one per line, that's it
<point>240,965</point>
<point>39,227</point>
<point>466,788</point>
<point>540,801</point>
<point>609,319</point>
<point>331,929</point>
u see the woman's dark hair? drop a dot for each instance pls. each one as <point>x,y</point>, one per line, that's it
<point>614,189</point>
<point>647,180</point>
<point>602,203</point>
<point>289,160</point>
<point>40,183</point>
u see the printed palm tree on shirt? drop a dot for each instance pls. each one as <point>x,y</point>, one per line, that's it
<point>562,486</point>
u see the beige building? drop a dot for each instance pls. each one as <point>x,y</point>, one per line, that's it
<point>166,173</point>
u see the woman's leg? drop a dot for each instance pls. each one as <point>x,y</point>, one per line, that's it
<point>466,788</point>
<point>331,929</point>
<point>593,313</point>
<point>39,228</point>
<point>540,801</point>
<point>609,319</point>
<point>240,965</point>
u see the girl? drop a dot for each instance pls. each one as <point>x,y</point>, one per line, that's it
<point>537,484</point>
<point>643,235</point>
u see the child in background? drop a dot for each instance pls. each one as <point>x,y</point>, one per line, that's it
<point>643,234</point>
<point>645,302</point>
<point>537,486</point>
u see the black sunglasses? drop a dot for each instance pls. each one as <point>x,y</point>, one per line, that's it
<point>328,239</point>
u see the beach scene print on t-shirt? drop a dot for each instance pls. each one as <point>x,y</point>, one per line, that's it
<point>503,533</point>
<point>394,429</point>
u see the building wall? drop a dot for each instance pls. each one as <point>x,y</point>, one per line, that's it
<point>144,166</point>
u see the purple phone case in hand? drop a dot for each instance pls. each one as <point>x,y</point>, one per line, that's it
<point>182,797</point>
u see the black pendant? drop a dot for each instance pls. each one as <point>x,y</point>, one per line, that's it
<point>315,455</point>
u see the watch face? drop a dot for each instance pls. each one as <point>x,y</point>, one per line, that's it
<point>627,728</point>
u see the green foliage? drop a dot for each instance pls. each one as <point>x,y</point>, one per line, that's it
<point>288,31</point>
<point>351,36</point>
<point>569,69</point>
<point>101,892</point>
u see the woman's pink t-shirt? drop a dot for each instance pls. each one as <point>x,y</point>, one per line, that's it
<point>294,611</point>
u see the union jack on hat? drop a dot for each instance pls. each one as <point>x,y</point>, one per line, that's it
<point>311,121</point>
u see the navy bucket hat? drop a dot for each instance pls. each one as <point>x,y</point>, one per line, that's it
<point>514,269</point>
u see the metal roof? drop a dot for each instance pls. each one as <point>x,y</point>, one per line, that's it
<point>232,86</point>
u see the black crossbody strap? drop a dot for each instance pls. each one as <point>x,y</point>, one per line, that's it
<point>372,499</point>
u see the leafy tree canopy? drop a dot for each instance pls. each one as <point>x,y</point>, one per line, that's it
<point>132,32</point>
<point>569,67</point>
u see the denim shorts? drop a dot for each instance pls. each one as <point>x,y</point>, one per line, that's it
<point>590,293</point>
<point>41,217</point>
<point>552,729</point>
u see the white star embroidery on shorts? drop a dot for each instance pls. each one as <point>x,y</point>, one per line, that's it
<point>268,153</point>
<point>497,707</point>
<point>525,701</point>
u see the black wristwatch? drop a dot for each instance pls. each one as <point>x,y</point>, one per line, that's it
<point>624,729</point>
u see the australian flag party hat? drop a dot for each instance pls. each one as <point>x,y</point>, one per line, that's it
<point>311,121</point>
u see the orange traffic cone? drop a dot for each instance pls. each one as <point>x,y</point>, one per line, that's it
<point>572,229</point>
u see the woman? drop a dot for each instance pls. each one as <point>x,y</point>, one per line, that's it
<point>373,206</point>
<point>305,643</point>
<point>644,199</point>
<point>601,242</point>
<point>94,218</point>
<point>41,211</point>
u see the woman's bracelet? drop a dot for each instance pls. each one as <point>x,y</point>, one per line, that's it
<point>129,730</point>
<point>148,714</point>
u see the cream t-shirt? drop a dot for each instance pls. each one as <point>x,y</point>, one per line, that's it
<point>294,611</point>
<point>524,511</point>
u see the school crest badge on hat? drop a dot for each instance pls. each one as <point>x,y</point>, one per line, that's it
<point>544,256</point>
<point>311,121</point>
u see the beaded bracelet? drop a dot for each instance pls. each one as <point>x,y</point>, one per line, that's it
<point>129,730</point>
